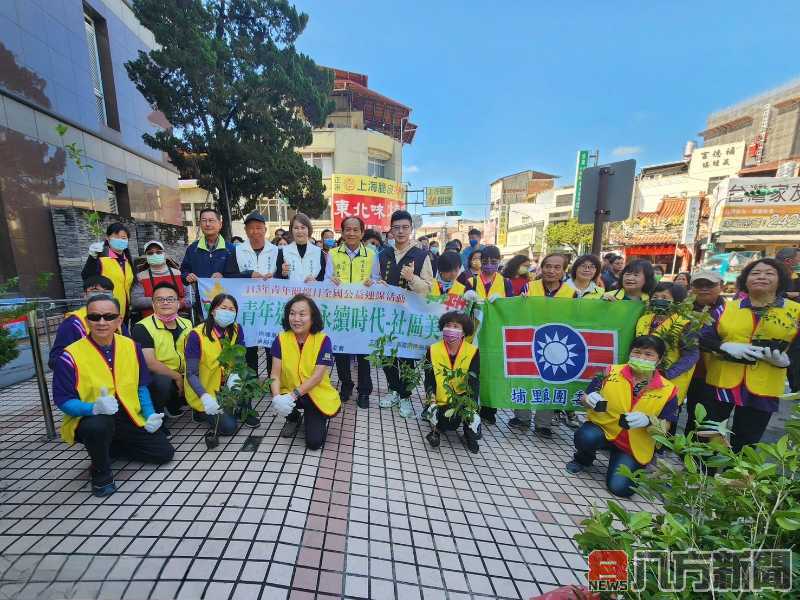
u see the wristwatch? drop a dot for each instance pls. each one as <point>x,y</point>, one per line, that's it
<point>295,393</point>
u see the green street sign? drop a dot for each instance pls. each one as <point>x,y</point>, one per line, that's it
<point>453,213</point>
<point>583,162</point>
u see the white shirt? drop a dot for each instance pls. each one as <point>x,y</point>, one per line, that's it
<point>308,265</point>
<point>262,262</point>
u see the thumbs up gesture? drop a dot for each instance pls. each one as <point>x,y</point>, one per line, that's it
<point>105,404</point>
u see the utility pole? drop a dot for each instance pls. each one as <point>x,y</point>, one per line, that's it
<point>601,212</point>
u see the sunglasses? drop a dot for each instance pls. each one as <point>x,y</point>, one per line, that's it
<point>108,317</point>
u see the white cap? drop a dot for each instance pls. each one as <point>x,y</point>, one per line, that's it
<point>151,242</point>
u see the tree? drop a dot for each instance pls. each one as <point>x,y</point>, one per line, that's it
<point>239,98</point>
<point>570,234</point>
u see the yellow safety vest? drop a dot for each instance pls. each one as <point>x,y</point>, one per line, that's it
<point>168,350</point>
<point>498,286</point>
<point>352,270</point>
<point>737,324</point>
<point>122,277</point>
<point>297,367</point>
<point>620,295</point>
<point>440,360</point>
<point>80,314</point>
<point>596,294</point>
<point>211,372</point>
<point>618,391</point>
<point>536,288</point>
<point>644,326</point>
<point>93,373</point>
<point>457,289</point>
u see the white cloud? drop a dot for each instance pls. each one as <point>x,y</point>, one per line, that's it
<point>412,169</point>
<point>626,150</point>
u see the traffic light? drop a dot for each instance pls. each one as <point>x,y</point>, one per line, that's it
<point>453,213</point>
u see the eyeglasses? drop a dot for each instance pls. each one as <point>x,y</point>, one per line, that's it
<point>107,317</point>
<point>167,300</point>
<point>401,227</point>
<point>490,261</point>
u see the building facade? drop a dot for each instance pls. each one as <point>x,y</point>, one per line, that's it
<point>63,63</point>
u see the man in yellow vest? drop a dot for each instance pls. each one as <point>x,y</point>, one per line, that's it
<point>447,280</point>
<point>352,262</point>
<point>100,383</point>
<point>162,337</point>
<point>74,326</point>
<point>622,406</point>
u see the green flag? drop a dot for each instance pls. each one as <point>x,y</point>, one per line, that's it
<point>538,353</point>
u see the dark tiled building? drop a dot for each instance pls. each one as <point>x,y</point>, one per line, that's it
<point>62,61</point>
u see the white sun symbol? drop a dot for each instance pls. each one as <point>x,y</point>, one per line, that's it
<point>556,353</point>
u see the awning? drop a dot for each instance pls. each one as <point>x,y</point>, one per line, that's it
<point>650,250</point>
<point>759,238</point>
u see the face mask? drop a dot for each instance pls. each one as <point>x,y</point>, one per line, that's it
<point>489,268</point>
<point>168,319</point>
<point>657,277</point>
<point>156,259</point>
<point>329,243</point>
<point>118,244</point>
<point>435,249</point>
<point>445,285</point>
<point>660,305</point>
<point>390,243</point>
<point>642,365</point>
<point>224,317</point>
<point>473,243</point>
<point>450,334</point>
<point>523,271</point>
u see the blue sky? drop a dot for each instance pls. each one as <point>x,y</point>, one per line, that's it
<point>500,87</point>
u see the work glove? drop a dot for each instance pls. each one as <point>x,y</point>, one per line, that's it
<point>153,422</point>
<point>284,404</point>
<point>637,420</point>
<point>471,296</point>
<point>742,351</point>
<point>493,297</point>
<point>233,381</point>
<point>210,405</point>
<point>775,357</point>
<point>95,249</point>
<point>105,404</point>
<point>595,401</point>
<point>475,423</point>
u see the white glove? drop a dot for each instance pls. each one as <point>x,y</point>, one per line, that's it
<point>740,351</point>
<point>471,296</point>
<point>592,399</point>
<point>153,422</point>
<point>637,420</point>
<point>284,404</point>
<point>233,381</point>
<point>210,405</point>
<point>493,297</point>
<point>475,423</point>
<point>776,358</point>
<point>105,404</point>
<point>95,249</point>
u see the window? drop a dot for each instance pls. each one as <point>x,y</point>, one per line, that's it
<point>376,167</point>
<point>324,162</point>
<point>186,210</point>
<point>100,69</point>
<point>564,200</point>
<point>274,210</point>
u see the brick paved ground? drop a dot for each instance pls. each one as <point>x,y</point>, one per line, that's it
<point>375,514</point>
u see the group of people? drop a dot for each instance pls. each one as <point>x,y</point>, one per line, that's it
<point>141,342</point>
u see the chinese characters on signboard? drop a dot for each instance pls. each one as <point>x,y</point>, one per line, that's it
<point>583,162</point>
<point>372,199</point>
<point>439,196</point>
<point>691,221</point>
<point>767,204</point>
<point>716,161</point>
<point>502,226</point>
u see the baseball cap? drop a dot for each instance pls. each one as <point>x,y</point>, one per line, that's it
<point>153,242</point>
<point>708,275</point>
<point>254,216</point>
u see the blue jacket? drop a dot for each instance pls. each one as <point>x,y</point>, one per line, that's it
<point>204,263</point>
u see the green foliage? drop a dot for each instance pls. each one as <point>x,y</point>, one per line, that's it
<point>78,157</point>
<point>12,283</point>
<point>380,357</point>
<point>413,374</point>
<point>460,404</point>
<point>753,501</point>
<point>238,96</point>
<point>8,347</point>
<point>249,390</point>
<point>570,234</point>
<point>684,329</point>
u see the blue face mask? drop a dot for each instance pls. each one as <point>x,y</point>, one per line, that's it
<point>118,244</point>
<point>445,285</point>
<point>329,243</point>
<point>473,243</point>
<point>435,249</point>
<point>224,317</point>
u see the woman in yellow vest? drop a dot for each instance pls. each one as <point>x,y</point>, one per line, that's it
<point>683,351</point>
<point>636,282</point>
<point>452,352</point>
<point>751,337</point>
<point>621,406</point>
<point>302,357</point>
<point>100,383</point>
<point>112,259</point>
<point>352,262</point>
<point>162,337</point>
<point>204,375</point>
<point>584,276</point>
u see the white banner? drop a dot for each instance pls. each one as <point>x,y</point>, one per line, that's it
<point>354,315</point>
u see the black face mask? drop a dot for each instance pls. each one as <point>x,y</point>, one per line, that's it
<point>660,305</point>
